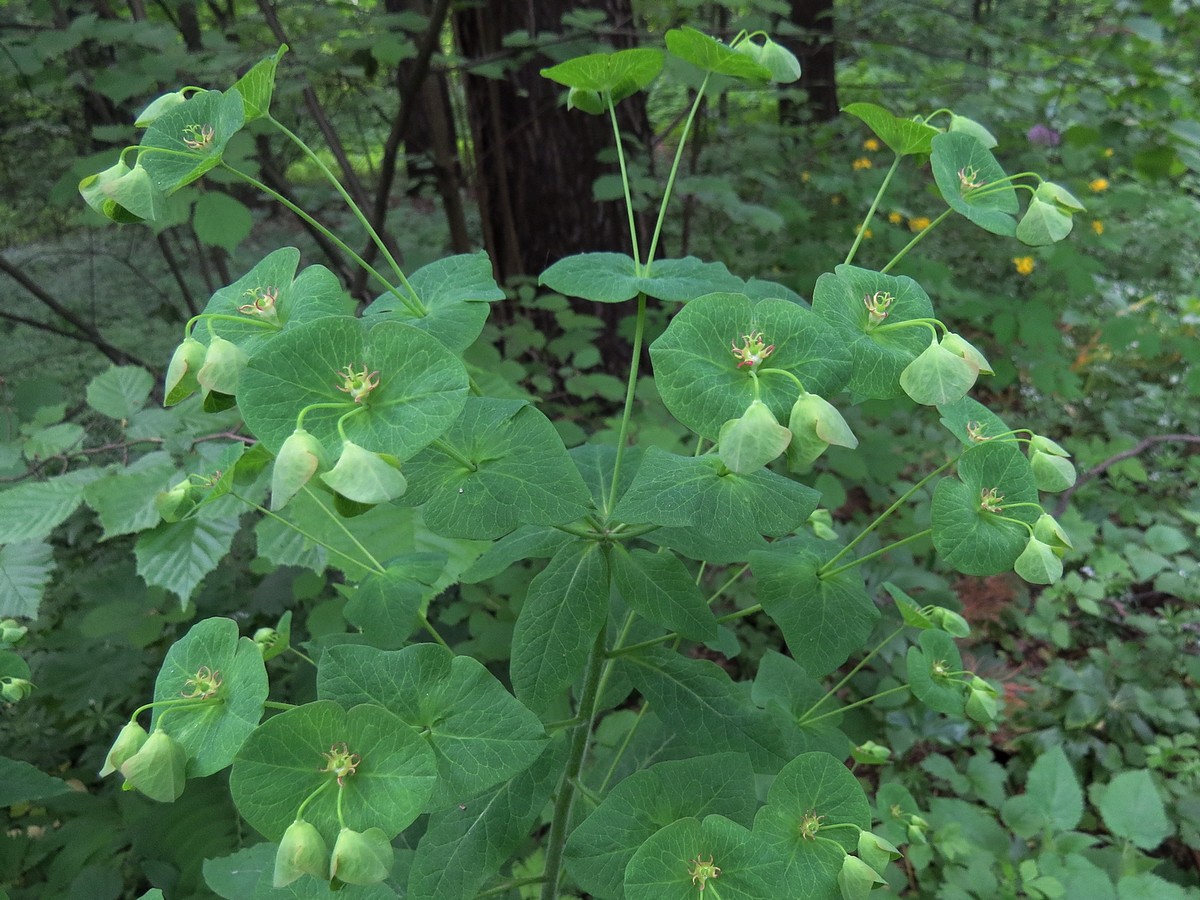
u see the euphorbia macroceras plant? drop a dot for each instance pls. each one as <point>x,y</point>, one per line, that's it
<point>373,440</point>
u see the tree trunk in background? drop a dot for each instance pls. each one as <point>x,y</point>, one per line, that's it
<point>535,162</point>
<point>817,53</point>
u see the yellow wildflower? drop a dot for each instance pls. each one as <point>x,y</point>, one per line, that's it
<point>836,199</point>
<point>920,223</point>
<point>1108,152</point>
<point>866,234</point>
<point>1024,264</point>
<point>1097,226</point>
<point>895,218</point>
<point>804,176</point>
<point>861,163</point>
<point>871,144</point>
<point>1097,185</point>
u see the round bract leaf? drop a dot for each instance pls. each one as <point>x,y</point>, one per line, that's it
<point>620,73</point>
<point>284,760</point>
<point>973,540</point>
<point>665,867</point>
<point>1042,224</point>
<point>927,673</point>
<point>710,55</point>
<point>905,137</point>
<point>422,386</point>
<point>966,173</point>
<point>879,354</point>
<point>195,133</point>
<point>212,733</point>
<point>698,375</point>
<point>966,417</point>
<point>938,376</point>
<point>974,129</point>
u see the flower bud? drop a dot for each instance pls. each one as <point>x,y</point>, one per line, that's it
<point>857,878</point>
<point>948,621</point>
<point>871,754</point>
<point>981,704</point>
<point>875,851</point>
<point>1038,563</point>
<point>781,62</point>
<point>917,827</point>
<point>224,363</point>
<point>960,346</point>
<point>1047,530</point>
<point>129,741</point>
<point>266,639</point>
<point>748,443</point>
<point>302,851</point>
<point>11,631</point>
<point>815,423</point>
<point>298,460</point>
<point>938,376</point>
<point>157,107</point>
<point>175,503</point>
<point>366,477</point>
<point>92,187</point>
<point>1051,472</point>
<point>181,373</point>
<point>157,769</point>
<point>14,690</point>
<point>361,857</point>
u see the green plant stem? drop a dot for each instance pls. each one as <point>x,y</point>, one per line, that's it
<point>275,704</point>
<point>799,383</point>
<point>625,742</point>
<point>304,534</point>
<point>857,703</point>
<point>336,519</point>
<point>333,405</point>
<point>509,886</point>
<point>882,550</point>
<point>222,317</point>
<point>671,636</point>
<point>862,229</point>
<point>341,423</point>
<point>563,723</point>
<point>612,115</point>
<point>577,531</point>
<point>433,632</point>
<point>662,209</point>
<point>846,678</point>
<point>165,704</point>
<point>333,238</point>
<point>451,451</point>
<point>304,656</point>
<point>345,195</point>
<point>340,815</point>
<point>311,797</point>
<point>630,388</point>
<point>883,515</point>
<point>730,580</point>
<point>916,240</point>
<point>578,752</point>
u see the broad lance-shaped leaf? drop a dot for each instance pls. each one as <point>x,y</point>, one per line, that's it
<point>519,473</point>
<point>600,847</point>
<point>527,542</point>
<point>722,855</point>
<point>782,683</point>
<point>968,177</point>
<point>385,607</point>
<point>478,732</point>
<point>466,843</point>
<point>420,386</point>
<point>811,793</point>
<point>564,609</point>
<point>823,618</point>
<point>212,655</point>
<point>904,137</point>
<point>294,753</point>
<point>195,132</point>
<point>878,351</point>
<point>708,711</point>
<point>704,383</point>
<point>710,55</point>
<point>454,293</point>
<point>969,514</point>
<point>659,588</point>
<point>616,277</point>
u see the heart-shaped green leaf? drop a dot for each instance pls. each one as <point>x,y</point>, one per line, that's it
<point>905,137</point>
<point>194,134</point>
<point>620,73</point>
<point>967,175</point>
<point>698,374</point>
<point>285,761</point>
<point>879,353</point>
<point>1042,224</point>
<point>213,732</point>
<point>710,55</point>
<point>615,278</point>
<point>932,673</point>
<point>421,389</point>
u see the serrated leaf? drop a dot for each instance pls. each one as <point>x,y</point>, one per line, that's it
<point>659,588</point>
<point>699,378</point>
<point>1133,809</point>
<point>213,733</point>
<point>25,570</point>
<point>823,618</point>
<point>615,278</point>
<point>905,137</point>
<point>1052,798</point>
<point>455,293</point>
<point>522,473</point>
<point>30,511</point>
<point>478,732</point>
<point>967,175</point>
<point>600,847</point>
<point>284,761</point>
<point>120,391</point>
<point>563,611</point>
<point>124,501</point>
<point>177,556</point>
<point>464,844</point>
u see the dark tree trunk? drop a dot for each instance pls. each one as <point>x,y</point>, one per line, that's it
<point>817,53</point>
<point>535,161</point>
